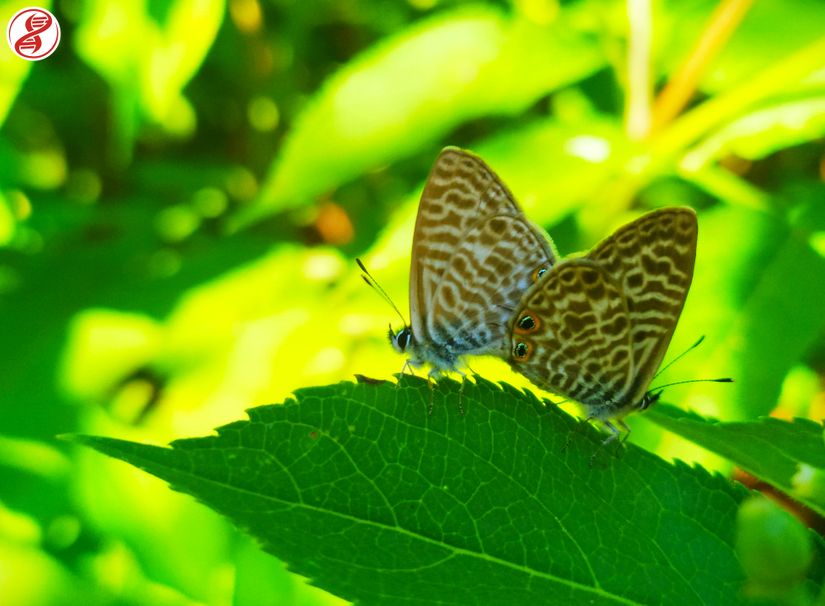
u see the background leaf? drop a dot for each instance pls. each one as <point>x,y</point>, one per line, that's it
<point>770,449</point>
<point>774,273</point>
<point>447,70</point>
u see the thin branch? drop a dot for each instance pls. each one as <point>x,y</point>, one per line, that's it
<point>681,88</point>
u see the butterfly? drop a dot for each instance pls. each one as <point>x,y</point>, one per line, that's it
<point>473,255</point>
<point>595,328</point>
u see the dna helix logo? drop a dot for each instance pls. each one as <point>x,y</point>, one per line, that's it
<point>33,33</point>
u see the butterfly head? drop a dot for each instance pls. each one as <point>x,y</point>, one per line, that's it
<point>649,399</point>
<point>400,340</point>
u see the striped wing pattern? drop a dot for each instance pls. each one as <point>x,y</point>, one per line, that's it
<point>601,324</point>
<point>489,270</point>
<point>652,260</point>
<point>572,334</point>
<point>472,248</point>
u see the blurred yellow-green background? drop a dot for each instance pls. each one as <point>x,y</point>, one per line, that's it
<point>184,186</point>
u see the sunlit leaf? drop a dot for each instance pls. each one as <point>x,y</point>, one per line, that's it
<point>7,223</point>
<point>181,546</point>
<point>415,86</point>
<point>764,132</point>
<point>356,487</point>
<point>801,70</point>
<point>31,576</point>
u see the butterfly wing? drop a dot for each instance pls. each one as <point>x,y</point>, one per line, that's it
<point>492,265</point>
<point>571,335</point>
<point>652,261</point>
<point>461,190</point>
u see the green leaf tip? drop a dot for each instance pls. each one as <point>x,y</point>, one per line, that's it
<point>362,491</point>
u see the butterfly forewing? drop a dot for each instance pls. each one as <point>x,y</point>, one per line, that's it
<point>461,190</point>
<point>492,265</point>
<point>474,254</point>
<point>652,260</point>
<point>572,334</point>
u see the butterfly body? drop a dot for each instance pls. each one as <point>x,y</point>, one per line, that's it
<point>441,357</point>
<point>595,328</point>
<point>474,253</point>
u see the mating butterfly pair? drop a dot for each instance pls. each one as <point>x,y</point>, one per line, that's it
<point>485,281</point>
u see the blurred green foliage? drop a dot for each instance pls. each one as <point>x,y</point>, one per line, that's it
<point>184,185</point>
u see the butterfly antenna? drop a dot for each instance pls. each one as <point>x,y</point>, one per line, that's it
<point>722,380</point>
<point>679,357</point>
<point>372,283</point>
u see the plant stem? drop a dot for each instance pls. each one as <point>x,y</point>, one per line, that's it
<point>775,79</point>
<point>639,86</point>
<point>681,88</point>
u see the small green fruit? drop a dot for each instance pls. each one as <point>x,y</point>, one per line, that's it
<point>773,546</point>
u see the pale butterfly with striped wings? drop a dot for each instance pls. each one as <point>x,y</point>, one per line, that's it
<point>473,255</point>
<point>595,328</point>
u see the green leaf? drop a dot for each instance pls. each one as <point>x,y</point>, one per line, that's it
<point>581,159</point>
<point>800,70</point>
<point>416,86</point>
<point>768,448</point>
<point>147,62</point>
<point>357,488</point>
<point>763,132</point>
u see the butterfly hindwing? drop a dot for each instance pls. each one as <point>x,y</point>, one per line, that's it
<point>571,335</point>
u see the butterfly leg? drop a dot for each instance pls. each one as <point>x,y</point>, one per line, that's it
<point>624,427</point>
<point>408,364</point>
<point>614,433</point>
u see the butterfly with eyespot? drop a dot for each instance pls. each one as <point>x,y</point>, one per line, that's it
<point>596,327</point>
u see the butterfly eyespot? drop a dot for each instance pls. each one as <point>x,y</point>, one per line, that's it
<point>538,273</point>
<point>527,323</point>
<point>522,351</point>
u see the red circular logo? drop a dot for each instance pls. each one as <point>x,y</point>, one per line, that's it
<point>33,33</point>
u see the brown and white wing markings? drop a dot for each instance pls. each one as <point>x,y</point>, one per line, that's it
<point>572,336</point>
<point>493,264</point>
<point>652,260</point>
<point>461,190</point>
